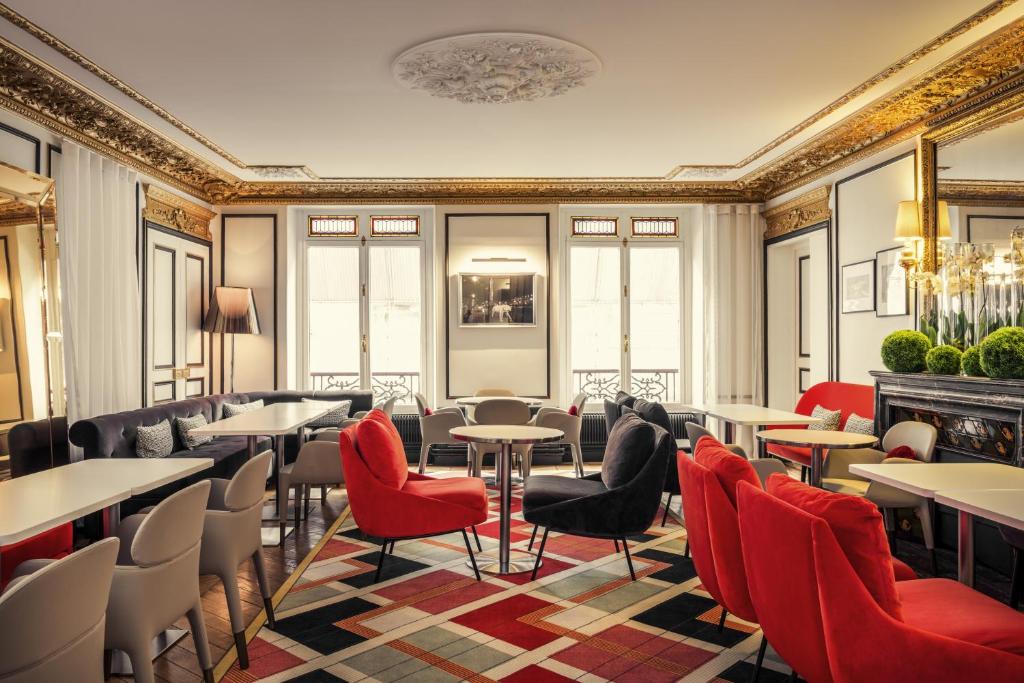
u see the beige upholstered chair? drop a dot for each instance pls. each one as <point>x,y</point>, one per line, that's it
<point>499,411</point>
<point>494,392</point>
<point>571,426</point>
<point>435,428</point>
<point>52,616</point>
<point>765,467</point>
<point>156,580</point>
<point>231,535</point>
<point>836,476</point>
<point>318,463</point>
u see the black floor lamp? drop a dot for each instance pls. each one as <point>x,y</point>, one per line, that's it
<point>232,311</point>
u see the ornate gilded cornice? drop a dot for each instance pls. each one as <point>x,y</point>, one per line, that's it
<point>42,94</point>
<point>804,211</point>
<point>171,211</point>
<point>982,192</point>
<point>936,96</point>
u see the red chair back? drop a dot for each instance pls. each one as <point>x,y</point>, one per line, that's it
<point>777,555</point>
<point>693,479</point>
<point>866,644</point>
<point>842,396</point>
<point>361,486</point>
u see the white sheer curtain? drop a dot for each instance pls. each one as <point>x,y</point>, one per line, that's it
<point>728,312</point>
<point>100,285</point>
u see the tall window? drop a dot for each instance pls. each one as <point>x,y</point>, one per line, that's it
<point>625,310</point>
<point>364,314</point>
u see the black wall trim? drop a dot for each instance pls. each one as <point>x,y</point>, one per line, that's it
<point>447,293</point>
<point>51,149</point>
<point>835,270</point>
<point>801,263</point>
<point>223,250</point>
<point>30,138</point>
<point>203,300</point>
<point>174,307</point>
<point>803,232</point>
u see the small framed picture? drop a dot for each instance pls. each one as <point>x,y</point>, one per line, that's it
<point>891,296</point>
<point>803,380</point>
<point>859,287</point>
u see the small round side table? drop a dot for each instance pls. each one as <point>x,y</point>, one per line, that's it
<point>817,440</point>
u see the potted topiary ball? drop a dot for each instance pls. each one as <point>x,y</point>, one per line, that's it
<point>1002,353</point>
<point>970,362</point>
<point>905,351</point>
<point>943,360</point>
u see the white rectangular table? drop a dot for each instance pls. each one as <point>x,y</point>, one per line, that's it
<point>951,479</point>
<point>277,420</point>
<point>1003,506</point>
<point>749,417</point>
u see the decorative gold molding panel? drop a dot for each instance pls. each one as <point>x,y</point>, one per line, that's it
<point>804,211</point>
<point>171,211</point>
<point>982,192</point>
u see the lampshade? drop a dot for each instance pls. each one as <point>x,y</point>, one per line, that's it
<point>945,231</point>
<point>232,311</point>
<point>908,221</point>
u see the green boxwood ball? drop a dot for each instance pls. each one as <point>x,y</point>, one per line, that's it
<point>1002,353</point>
<point>905,351</point>
<point>943,360</point>
<point>970,362</point>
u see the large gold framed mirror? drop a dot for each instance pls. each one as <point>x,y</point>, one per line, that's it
<point>32,386</point>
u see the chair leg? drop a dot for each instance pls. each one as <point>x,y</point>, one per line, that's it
<point>261,579</point>
<point>305,504</point>
<point>298,508</point>
<point>686,550</point>
<point>380,562</point>
<point>577,456</point>
<point>664,517</point>
<point>198,625</point>
<point>476,537</point>
<point>721,620</point>
<point>803,474</point>
<point>469,549</point>
<point>616,542</point>
<point>424,454</point>
<point>230,581</point>
<point>533,537</point>
<point>1017,578</point>
<point>629,560</point>
<point>760,659</point>
<point>323,493</point>
<point>391,550</point>
<point>794,676</point>
<point>242,648</point>
<point>540,552</point>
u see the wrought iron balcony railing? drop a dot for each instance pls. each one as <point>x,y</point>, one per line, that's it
<point>661,385</point>
<point>384,384</point>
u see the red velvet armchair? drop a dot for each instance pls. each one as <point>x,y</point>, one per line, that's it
<point>391,503</point>
<point>842,396</point>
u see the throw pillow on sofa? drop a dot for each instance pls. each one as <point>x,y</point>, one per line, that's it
<point>629,446</point>
<point>185,425</point>
<point>155,441</point>
<point>829,419</point>
<point>859,425</point>
<point>232,409</point>
<point>333,418</point>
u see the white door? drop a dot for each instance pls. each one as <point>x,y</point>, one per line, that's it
<point>177,284</point>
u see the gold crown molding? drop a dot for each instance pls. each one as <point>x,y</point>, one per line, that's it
<point>940,94</point>
<point>804,211</point>
<point>982,192</point>
<point>42,94</point>
<point>174,212</point>
<point>14,213</point>
<point>979,17</point>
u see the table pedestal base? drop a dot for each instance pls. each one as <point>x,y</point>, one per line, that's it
<point>519,562</point>
<point>121,665</point>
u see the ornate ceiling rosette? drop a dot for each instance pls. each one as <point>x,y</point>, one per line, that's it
<point>496,68</point>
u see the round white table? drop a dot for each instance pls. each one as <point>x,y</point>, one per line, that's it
<point>477,400</point>
<point>817,440</point>
<point>507,436</point>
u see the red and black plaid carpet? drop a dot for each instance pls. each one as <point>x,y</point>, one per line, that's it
<point>428,619</point>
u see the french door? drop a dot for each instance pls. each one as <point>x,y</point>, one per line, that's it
<point>364,317</point>
<point>177,293</point>
<point>626,319</point>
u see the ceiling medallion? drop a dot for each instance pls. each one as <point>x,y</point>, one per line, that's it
<point>496,68</point>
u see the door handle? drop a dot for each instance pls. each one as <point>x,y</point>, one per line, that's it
<point>364,343</point>
<point>181,373</point>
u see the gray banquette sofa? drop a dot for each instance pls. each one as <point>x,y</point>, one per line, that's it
<point>113,436</point>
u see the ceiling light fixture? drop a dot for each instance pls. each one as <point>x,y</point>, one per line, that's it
<point>496,68</point>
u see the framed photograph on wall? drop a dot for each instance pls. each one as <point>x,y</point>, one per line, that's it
<point>859,287</point>
<point>891,296</point>
<point>496,300</point>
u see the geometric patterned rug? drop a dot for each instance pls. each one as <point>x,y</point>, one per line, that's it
<point>428,619</point>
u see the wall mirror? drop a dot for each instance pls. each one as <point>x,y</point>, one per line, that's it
<point>979,208</point>
<point>32,388</point>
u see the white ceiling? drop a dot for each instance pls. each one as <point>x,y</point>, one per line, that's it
<point>683,82</point>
